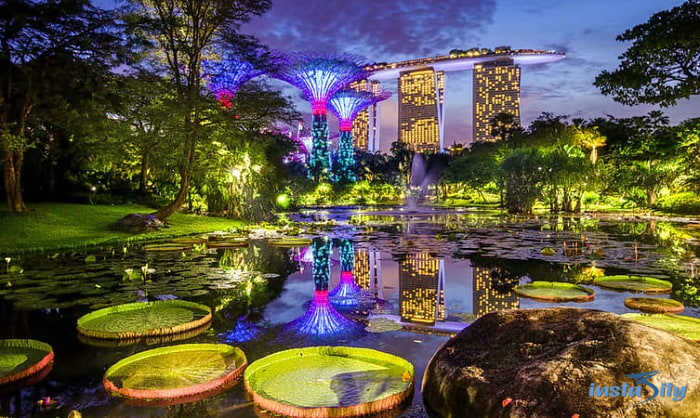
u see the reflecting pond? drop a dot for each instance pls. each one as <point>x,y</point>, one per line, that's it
<point>393,280</point>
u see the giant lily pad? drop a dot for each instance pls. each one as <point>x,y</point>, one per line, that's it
<point>678,324</point>
<point>655,305</point>
<point>23,358</point>
<point>555,292</point>
<point>179,373</point>
<point>329,381</point>
<point>144,319</point>
<point>634,284</point>
<point>290,242</point>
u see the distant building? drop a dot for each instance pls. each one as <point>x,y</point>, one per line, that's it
<point>496,90</point>
<point>421,104</point>
<point>422,288</point>
<point>365,129</point>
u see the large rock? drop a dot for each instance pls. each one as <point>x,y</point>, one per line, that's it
<point>541,363</point>
<point>139,222</point>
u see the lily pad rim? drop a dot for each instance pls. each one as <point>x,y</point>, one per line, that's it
<point>125,307</point>
<point>278,406</point>
<point>200,389</point>
<point>589,294</point>
<point>31,369</point>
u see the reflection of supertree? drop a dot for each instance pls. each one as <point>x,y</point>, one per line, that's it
<point>319,76</point>
<point>347,294</point>
<point>226,76</point>
<point>243,331</point>
<point>321,320</point>
<point>346,105</point>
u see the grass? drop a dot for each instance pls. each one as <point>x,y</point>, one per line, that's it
<point>56,226</point>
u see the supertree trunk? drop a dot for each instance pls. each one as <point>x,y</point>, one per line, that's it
<point>319,165</point>
<point>346,158</point>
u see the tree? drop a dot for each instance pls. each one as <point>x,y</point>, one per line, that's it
<point>48,50</point>
<point>590,138</point>
<point>504,125</point>
<point>185,32</point>
<point>663,63</point>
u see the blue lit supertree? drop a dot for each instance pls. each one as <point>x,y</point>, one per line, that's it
<point>346,104</point>
<point>225,77</point>
<point>319,76</point>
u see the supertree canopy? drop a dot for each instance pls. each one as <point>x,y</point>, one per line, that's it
<point>226,76</point>
<point>319,76</point>
<point>346,104</point>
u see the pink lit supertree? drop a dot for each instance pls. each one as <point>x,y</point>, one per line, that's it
<point>226,76</point>
<point>346,104</point>
<point>319,76</point>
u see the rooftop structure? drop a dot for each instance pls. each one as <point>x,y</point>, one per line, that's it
<point>319,76</point>
<point>463,61</point>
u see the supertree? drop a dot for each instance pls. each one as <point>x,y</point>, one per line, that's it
<point>346,104</point>
<point>319,76</point>
<point>225,77</point>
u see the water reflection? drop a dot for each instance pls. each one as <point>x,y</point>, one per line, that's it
<point>321,320</point>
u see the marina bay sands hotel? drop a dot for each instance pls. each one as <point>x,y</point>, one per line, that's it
<point>421,93</point>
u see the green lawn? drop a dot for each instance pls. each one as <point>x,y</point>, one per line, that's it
<point>53,226</point>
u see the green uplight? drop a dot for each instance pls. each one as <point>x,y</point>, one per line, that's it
<point>283,200</point>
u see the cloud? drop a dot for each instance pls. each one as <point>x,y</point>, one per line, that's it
<point>381,30</point>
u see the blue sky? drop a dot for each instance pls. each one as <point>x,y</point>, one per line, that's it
<point>386,30</point>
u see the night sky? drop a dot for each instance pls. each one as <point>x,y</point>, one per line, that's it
<point>388,30</point>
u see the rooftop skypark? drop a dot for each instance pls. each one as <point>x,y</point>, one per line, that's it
<point>346,105</point>
<point>319,76</point>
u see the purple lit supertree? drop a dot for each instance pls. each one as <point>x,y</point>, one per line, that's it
<point>319,76</point>
<point>346,104</point>
<point>321,320</point>
<point>226,76</point>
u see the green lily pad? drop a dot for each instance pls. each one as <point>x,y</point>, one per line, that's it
<point>548,251</point>
<point>166,247</point>
<point>381,324</point>
<point>555,292</point>
<point>144,319</point>
<point>22,358</point>
<point>336,381</point>
<point>183,372</point>
<point>655,305</point>
<point>684,326</point>
<point>634,284</point>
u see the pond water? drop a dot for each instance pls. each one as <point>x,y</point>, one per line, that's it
<point>429,272</point>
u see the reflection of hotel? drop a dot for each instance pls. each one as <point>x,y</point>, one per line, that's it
<point>422,288</point>
<point>486,299</point>
<point>367,270</point>
<point>421,104</point>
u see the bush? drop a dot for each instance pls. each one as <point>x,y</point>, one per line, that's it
<point>687,203</point>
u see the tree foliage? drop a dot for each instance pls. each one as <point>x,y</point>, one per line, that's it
<point>663,63</point>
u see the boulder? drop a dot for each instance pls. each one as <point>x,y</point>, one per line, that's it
<point>139,222</point>
<point>542,362</point>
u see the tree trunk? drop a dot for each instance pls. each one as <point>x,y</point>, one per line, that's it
<point>185,173</point>
<point>143,175</point>
<point>12,170</point>
<point>651,198</point>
